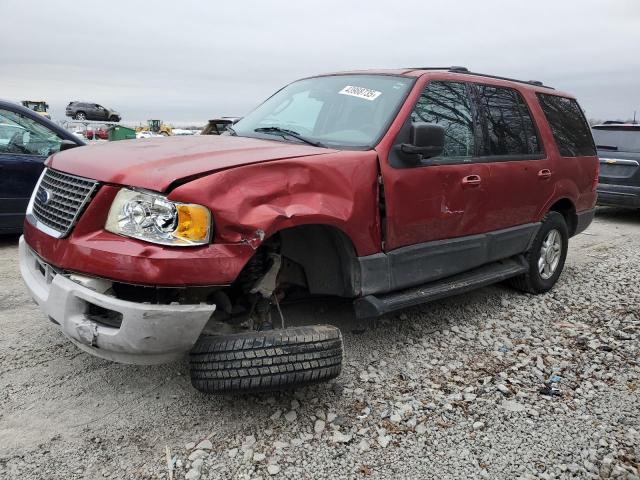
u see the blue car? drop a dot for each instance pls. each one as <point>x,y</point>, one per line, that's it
<point>26,140</point>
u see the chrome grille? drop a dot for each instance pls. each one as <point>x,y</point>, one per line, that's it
<point>58,201</point>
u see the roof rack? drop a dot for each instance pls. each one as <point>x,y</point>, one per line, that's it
<point>465,70</point>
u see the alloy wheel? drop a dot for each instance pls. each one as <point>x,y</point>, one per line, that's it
<point>550,254</point>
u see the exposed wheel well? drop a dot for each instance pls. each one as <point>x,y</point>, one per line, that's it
<point>327,257</point>
<point>566,208</point>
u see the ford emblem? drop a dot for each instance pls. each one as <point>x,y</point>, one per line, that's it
<point>44,196</point>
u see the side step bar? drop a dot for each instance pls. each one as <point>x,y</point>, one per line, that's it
<point>376,305</point>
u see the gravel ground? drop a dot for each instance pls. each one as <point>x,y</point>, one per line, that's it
<point>493,384</point>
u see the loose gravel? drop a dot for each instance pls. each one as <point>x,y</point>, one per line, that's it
<point>494,384</point>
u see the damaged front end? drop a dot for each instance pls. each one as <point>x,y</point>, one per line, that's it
<point>141,324</point>
<point>96,320</point>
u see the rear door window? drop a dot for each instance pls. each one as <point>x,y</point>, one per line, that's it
<point>508,127</point>
<point>447,104</point>
<point>568,125</point>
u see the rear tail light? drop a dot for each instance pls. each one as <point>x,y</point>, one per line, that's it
<point>595,179</point>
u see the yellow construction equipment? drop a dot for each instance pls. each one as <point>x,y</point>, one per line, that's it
<point>156,126</point>
<point>39,106</point>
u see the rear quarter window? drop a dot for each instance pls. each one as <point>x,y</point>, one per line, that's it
<point>568,125</point>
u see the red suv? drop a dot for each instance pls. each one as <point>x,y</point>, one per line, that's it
<point>389,187</point>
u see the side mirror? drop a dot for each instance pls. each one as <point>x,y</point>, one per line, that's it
<point>67,144</point>
<point>427,140</point>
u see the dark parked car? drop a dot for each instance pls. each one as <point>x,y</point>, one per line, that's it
<point>26,140</point>
<point>91,111</point>
<point>619,151</point>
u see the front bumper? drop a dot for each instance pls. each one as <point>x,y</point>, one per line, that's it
<point>145,333</point>
<point>619,195</point>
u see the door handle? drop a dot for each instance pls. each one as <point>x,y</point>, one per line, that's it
<point>544,174</point>
<point>471,180</point>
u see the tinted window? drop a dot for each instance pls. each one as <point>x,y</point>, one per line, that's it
<point>447,104</point>
<point>570,129</point>
<point>509,128</point>
<point>622,139</point>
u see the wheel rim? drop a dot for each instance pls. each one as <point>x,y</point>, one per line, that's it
<point>550,254</point>
<point>80,116</point>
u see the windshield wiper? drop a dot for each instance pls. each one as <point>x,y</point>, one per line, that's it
<point>291,133</point>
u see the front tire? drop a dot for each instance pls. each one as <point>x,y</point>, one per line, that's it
<point>546,256</point>
<point>80,116</point>
<point>260,361</point>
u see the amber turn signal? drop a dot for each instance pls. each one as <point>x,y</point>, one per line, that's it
<point>193,223</point>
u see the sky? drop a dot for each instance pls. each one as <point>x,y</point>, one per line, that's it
<point>185,61</point>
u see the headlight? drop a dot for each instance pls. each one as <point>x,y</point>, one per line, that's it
<point>151,217</point>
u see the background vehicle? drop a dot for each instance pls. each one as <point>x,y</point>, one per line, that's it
<point>182,132</point>
<point>147,134</point>
<point>91,111</point>
<point>156,126</point>
<point>391,188</point>
<point>79,132</point>
<point>619,151</point>
<point>39,106</point>
<point>218,126</point>
<point>99,133</point>
<point>26,140</point>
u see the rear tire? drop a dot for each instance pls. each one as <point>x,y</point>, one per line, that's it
<point>544,259</point>
<point>265,361</point>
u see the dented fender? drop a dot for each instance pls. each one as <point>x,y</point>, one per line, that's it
<point>253,202</point>
<point>249,203</point>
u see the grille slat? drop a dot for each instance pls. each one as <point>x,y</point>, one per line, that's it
<point>60,199</point>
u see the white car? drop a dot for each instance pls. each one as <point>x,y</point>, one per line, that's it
<point>147,134</point>
<point>80,133</point>
<point>181,132</point>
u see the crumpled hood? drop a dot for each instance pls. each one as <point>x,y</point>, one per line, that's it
<point>155,163</point>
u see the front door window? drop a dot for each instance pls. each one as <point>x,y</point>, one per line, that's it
<point>447,104</point>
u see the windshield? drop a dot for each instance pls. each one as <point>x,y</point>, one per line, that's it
<point>623,139</point>
<point>337,111</point>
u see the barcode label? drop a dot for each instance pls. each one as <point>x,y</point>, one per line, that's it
<point>360,92</point>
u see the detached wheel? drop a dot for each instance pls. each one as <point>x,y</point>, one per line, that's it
<point>546,257</point>
<point>264,361</point>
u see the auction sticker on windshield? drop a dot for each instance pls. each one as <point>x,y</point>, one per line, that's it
<point>360,92</point>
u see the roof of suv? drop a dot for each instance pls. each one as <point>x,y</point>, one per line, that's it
<point>456,71</point>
